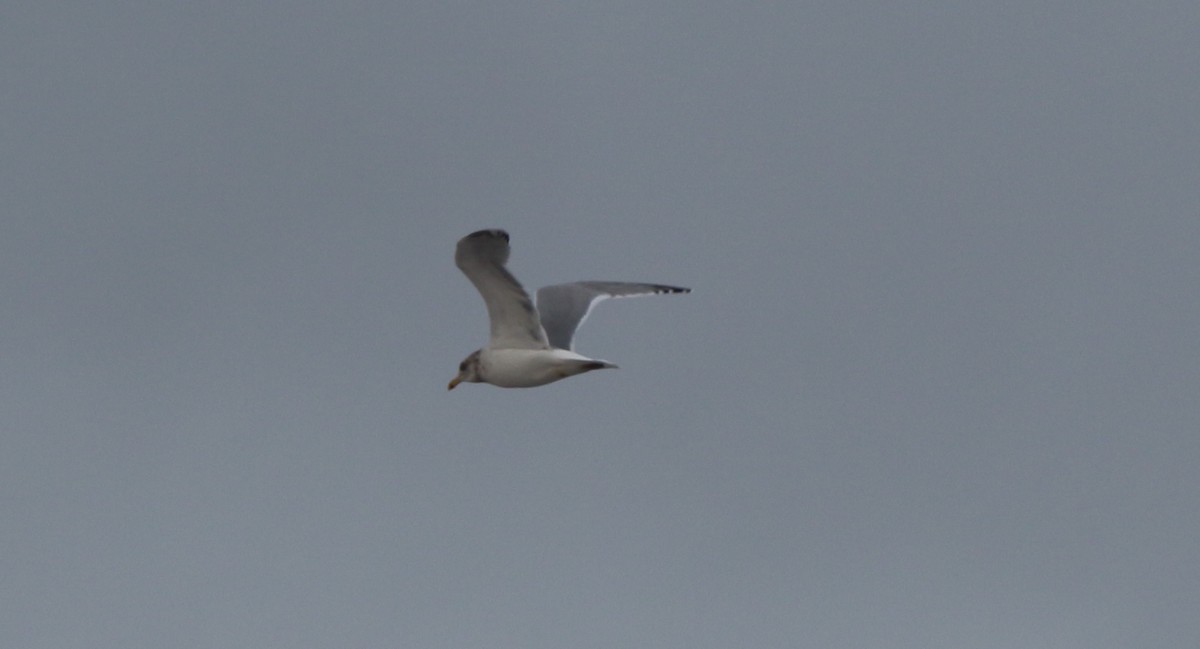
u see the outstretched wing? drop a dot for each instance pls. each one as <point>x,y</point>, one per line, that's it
<point>514,322</point>
<point>563,307</point>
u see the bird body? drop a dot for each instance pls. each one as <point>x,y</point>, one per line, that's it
<point>527,368</point>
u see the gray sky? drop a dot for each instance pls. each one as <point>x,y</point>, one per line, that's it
<point>936,385</point>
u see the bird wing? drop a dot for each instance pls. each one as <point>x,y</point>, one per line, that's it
<point>514,321</point>
<point>563,307</point>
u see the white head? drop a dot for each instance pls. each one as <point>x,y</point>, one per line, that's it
<point>468,371</point>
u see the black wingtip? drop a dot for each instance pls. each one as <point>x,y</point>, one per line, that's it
<point>672,289</point>
<point>479,234</point>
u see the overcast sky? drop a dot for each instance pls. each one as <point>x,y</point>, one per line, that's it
<point>936,385</point>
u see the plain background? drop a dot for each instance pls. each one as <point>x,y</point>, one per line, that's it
<point>936,385</point>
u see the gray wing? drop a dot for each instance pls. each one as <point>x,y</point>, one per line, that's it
<point>563,307</point>
<point>514,322</point>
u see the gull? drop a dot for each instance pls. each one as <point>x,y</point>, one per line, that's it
<point>530,346</point>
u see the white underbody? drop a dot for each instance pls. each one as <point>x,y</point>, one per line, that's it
<point>527,368</point>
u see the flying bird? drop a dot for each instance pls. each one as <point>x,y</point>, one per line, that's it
<point>530,346</point>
